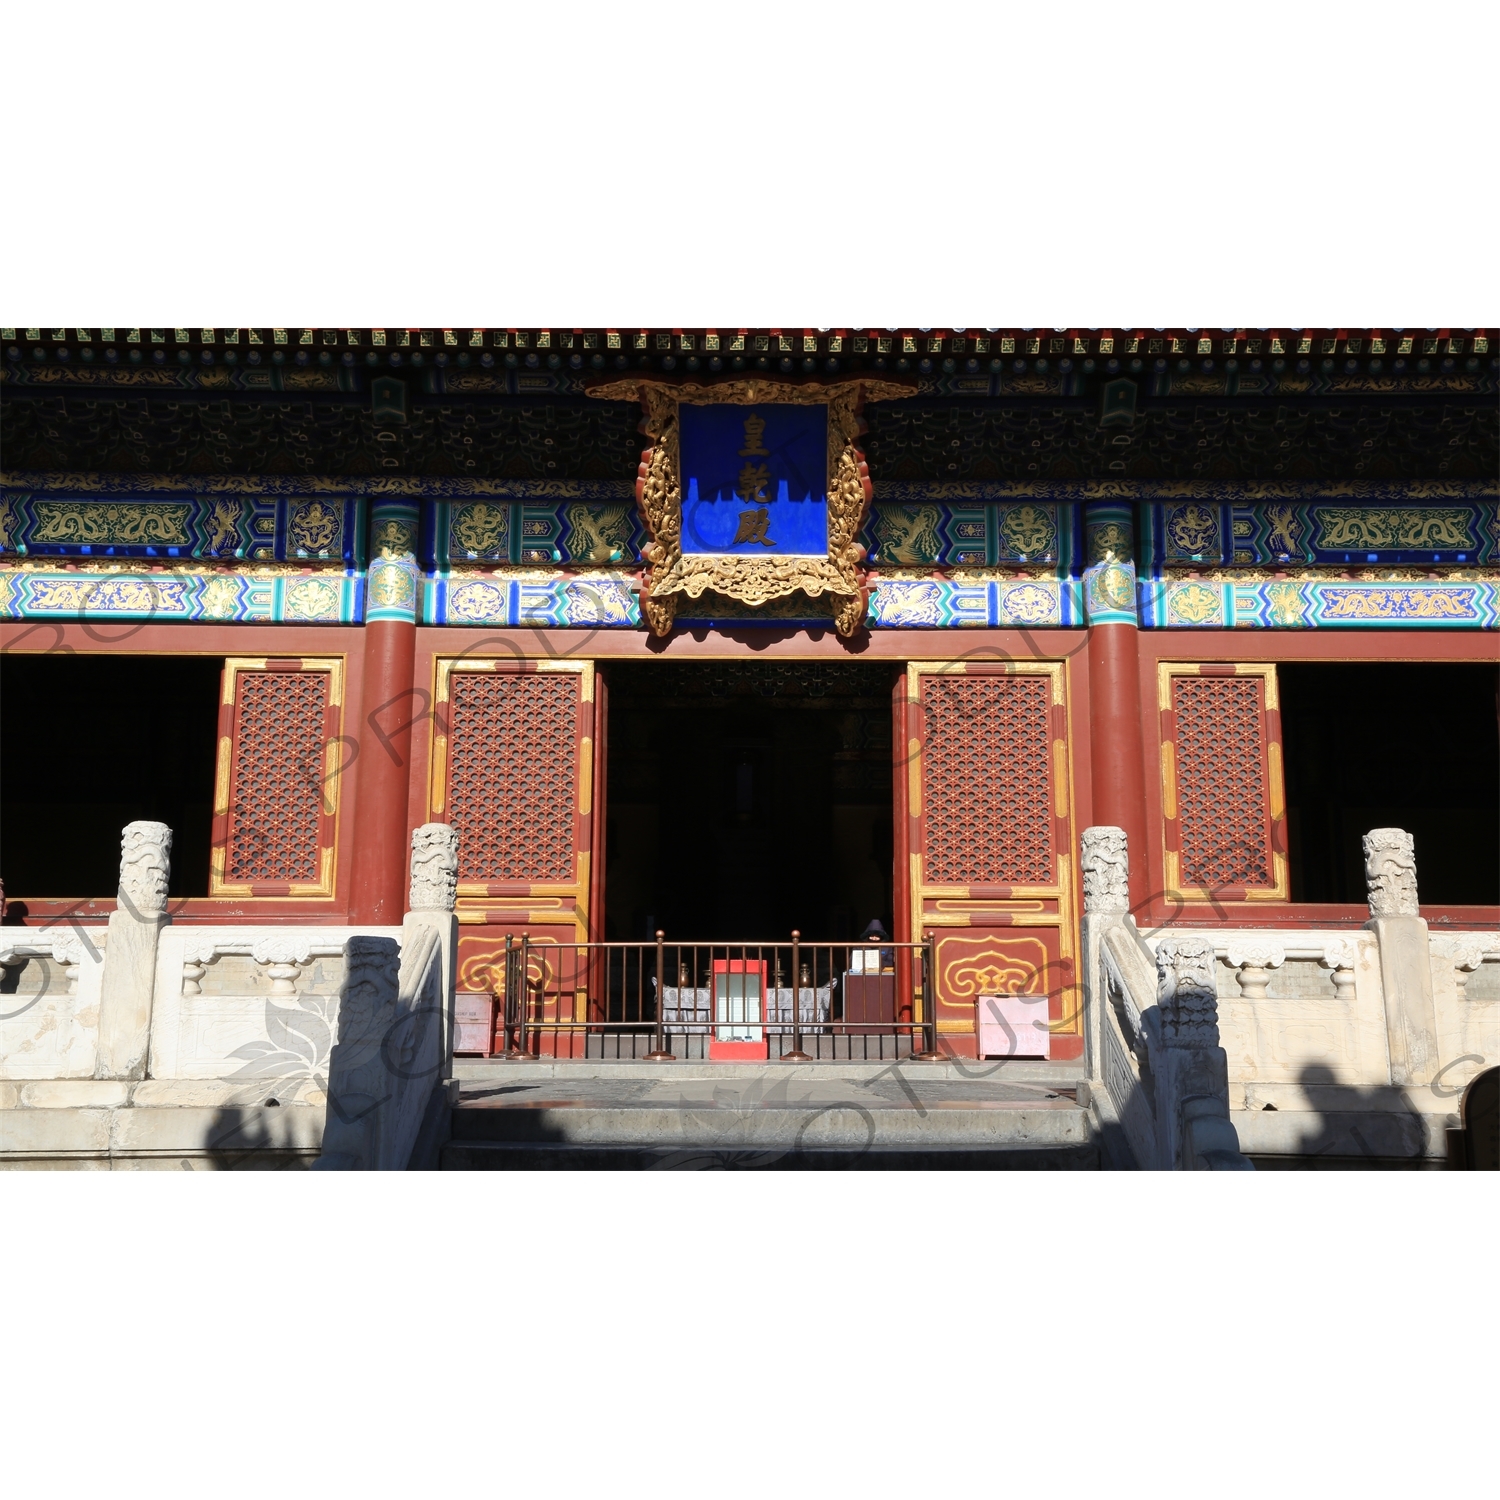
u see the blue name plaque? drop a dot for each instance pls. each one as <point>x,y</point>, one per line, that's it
<point>754,479</point>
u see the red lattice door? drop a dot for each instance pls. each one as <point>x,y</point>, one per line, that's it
<point>988,803</point>
<point>276,791</point>
<point>1223,803</point>
<point>514,771</point>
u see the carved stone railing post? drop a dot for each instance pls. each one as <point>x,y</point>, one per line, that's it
<point>434,867</point>
<point>360,1086</point>
<point>130,954</point>
<point>1191,1070</point>
<point>434,893</point>
<point>386,1064</point>
<point>1106,872</point>
<point>1391,872</point>
<point>1105,864</point>
<point>1186,992</point>
<point>1405,958</point>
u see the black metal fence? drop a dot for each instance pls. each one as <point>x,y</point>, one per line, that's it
<point>660,1001</point>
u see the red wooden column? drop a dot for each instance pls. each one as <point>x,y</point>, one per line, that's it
<point>1115,704</point>
<point>903,751</point>
<point>380,826</point>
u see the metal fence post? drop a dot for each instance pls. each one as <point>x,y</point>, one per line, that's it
<point>523,987</point>
<point>512,1046</point>
<point>660,1052</point>
<point>930,990</point>
<point>930,1051</point>
<point>797,1054</point>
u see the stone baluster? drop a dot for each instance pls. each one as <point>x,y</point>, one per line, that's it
<point>280,955</point>
<point>129,978</point>
<point>1467,954</point>
<point>1339,958</point>
<point>67,950</point>
<point>1255,957</point>
<point>196,957</point>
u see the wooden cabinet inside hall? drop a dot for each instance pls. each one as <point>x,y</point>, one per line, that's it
<point>869,1003</point>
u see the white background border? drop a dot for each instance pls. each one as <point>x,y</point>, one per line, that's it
<point>806,164</point>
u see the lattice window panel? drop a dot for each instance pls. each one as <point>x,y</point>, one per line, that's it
<point>987,780</point>
<point>513,775</point>
<point>1221,782</point>
<point>276,784</point>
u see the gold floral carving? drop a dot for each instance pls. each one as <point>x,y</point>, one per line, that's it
<point>752,580</point>
<point>661,506</point>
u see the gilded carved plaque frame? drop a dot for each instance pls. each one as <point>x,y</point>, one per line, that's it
<point>752,580</point>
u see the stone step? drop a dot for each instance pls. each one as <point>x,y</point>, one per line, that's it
<point>959,1070</point>
<point>520,1117</point>
<point>514,1156</point>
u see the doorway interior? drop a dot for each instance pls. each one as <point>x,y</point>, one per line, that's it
<point>746,799</point>
<point>91,743</point>
<point>1410,745</point>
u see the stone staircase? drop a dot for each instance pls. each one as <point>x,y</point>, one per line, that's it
<point>779,1116</point>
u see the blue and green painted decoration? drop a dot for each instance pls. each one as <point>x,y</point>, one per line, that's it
<point>1330,531</point>
<point>564,553</point>
<point>1319,604</point>
<point>221,597</point>
<point>175,527</point>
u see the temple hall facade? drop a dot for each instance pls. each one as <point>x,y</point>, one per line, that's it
<point>1102,721</point>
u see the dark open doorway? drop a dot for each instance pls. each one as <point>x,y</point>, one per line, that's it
<point>1410,745</point>
<point>91,743</point>
<point>747,799</point>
